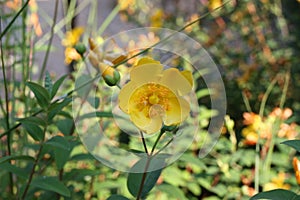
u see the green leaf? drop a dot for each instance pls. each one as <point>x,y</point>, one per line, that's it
<point>21,172</point>
<point>51,184</point>
<point>48,83</point>
<point>61,148</point>
<point>33,120</point>
<point>79,174</point>
<point>65,125</point>
<point>278,194</point>
<point>117,197</point>
<point>134,180</point>
<point>172,191</point>
<point>34,131</point>
<point>83,85</point>
<point>189,158</point>
<point>55,108</point>
<point>21,157</point>
<point>293,143</point>
<point>56,85</point>
<point>41,94</point>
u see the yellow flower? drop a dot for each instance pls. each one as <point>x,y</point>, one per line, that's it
<point>153,96</point>
<point>214,4</point>
<point>157,18</point>
<point>71,55</point>
<point>72,37</point>
<point>277,183</point>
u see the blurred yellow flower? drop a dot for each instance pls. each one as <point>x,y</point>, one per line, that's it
<point>72,37</point>
<point>71,55</point>
<point>156,20</point>
<point>277,183</point>
<point>213,4</point>
<point>153,96</point>
<point>125,4</point>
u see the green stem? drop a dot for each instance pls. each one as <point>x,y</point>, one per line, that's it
<point>108,19</point>
<point>156,142</point>
<point>32,172</point>
<point>14,19</point>
<point>50,41</point>
<point>6,110</point>
<point>276,127</point>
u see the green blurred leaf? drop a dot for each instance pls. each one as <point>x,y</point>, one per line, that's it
<point>278,194</point>
<point>293,143</point>
<point>172,191</point>
<point>21,172</point>
<point>34,131</point>
<point>51,184</point>
<point>21,157</point>
<point>48,83</point>
<point>117,197</point>
<point>189,158</point>
<point>79,174</point>
<point>41,94</point>
<point>134,180</point>
<point>61,148</point>
<point>56,85</point>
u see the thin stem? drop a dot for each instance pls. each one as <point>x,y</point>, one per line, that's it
<point>276,127</point>
<point>108,19</point>
<point>7,110</point>
<point>266,95</point>
<point>50,41</point>
<point>32,172</point>
<point>156,142</point>
<point>144,142</point>
<point>14,19</point>
<point>257,148</point>
<point>144,177</point>
<point>165,146</point>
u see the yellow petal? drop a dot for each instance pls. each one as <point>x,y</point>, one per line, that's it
<point>146,60</point>
<point>125,95</point>
<point>146,73</point>
<point>188,75</point>
<point>146,124</point>
<point>175,81</point>
<point>177,112</point>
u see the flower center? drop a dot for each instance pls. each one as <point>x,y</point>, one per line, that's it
<point>153,99</point>
<point>149,95</point>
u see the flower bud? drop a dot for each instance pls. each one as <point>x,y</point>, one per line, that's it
<point>110,75</point>
<point>80,48</point>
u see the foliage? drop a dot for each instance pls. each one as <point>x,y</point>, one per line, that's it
<point>254,44</point>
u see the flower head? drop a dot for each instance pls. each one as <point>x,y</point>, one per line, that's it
<point>153,96</point>
<point>71,55</point>
<point>72,37</point>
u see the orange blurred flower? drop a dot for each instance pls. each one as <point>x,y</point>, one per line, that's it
<point>71,55</point>
<point>296,165</point>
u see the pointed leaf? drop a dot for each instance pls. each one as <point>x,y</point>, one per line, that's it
<point>21,157</point>
<point>56,85</point>
<point>134,180</point>
<point>293,143</point>
<point>48,82</point>
<point>61,148</point>
<point>278,194</point>
<point>41,94</point>
<point>34,131</point>
<point>51,184</point>
<point>33,120</point>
